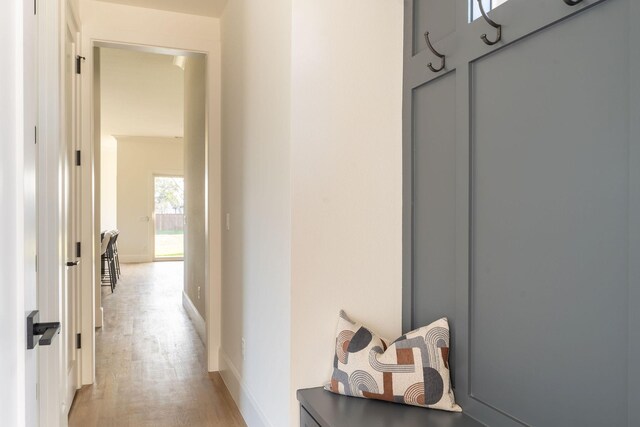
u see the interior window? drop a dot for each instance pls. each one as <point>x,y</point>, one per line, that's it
<point>474,9</point>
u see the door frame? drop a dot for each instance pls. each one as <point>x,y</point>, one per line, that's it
<point>97,36</point>
<point>72,227</point>
<point>152,236</point>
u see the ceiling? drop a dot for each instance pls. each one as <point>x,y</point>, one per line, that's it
<point>211,8</point>
<point>141,94</point>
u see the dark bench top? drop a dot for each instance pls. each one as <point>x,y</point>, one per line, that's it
<point>332,410</point>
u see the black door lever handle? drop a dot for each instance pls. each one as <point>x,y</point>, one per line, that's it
<point>72,263</point>
<point>47,330</point>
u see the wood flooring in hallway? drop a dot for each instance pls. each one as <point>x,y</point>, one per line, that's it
<point>150,363</point>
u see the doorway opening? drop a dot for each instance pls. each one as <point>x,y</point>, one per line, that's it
<point>168,218</point>
<point>151,165</point>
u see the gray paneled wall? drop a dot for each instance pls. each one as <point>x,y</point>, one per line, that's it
<point>434,206</point>
<point>519,219</point>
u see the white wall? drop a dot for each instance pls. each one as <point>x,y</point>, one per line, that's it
<point>75,6</point>
<point>108,183</point>
<point>194,181</point>
<point>141,94</point>
<point>346,165</point>
<point>12,398</point>
<point>325,191</point>
<point>194,7</point>
<point>256,174</point>
<point>139,158</point>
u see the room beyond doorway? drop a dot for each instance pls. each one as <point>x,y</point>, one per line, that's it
<point>168,218</point>
<point>153,152</point>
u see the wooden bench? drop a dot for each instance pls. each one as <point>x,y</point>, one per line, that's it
<point>320,408</point>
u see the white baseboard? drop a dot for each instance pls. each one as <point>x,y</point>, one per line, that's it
<point>100,317</point>
<point>246,403</point>
<point>131,259</point>
<point>196,318</point>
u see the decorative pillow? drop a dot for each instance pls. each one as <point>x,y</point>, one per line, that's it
<point>413,370</point>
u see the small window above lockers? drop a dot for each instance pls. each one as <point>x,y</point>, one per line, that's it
<point>488,5</point>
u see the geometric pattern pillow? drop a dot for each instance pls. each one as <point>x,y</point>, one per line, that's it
<point>413,370</point>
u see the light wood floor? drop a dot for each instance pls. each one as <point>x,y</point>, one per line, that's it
<point>150,363</point>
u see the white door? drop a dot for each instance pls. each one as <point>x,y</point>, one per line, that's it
<point>30,210</point>
<point>72,249</point>
<point>58,289</point>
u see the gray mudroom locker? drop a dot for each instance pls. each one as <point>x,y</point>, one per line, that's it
<point>522,203</point>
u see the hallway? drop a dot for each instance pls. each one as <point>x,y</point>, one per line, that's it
<point>150,363</point>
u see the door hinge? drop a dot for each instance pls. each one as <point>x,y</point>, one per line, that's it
<point>78,341</point>
<point>35,134</point>
<point>36,263</point>
<point>37,391</point>
<point>78,158</point>
<point>78,250</point>
<point>35,7</point>
<point>79,60</point>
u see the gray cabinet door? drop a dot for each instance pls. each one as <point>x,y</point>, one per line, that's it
<point>522,205</point>
<point>307,420</point>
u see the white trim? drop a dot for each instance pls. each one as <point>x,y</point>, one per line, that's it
<point>89,234</point>
<point>100,316</point>
<point>245,401</point>
<point>196,318</point>
<point>134,259</point>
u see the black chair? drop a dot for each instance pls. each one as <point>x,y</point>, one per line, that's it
<point>108,267</point>
<point>116,258</point>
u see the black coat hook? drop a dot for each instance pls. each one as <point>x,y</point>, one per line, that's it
<point>493,24</point>
<point>436,53</point>
<point>572,2</point>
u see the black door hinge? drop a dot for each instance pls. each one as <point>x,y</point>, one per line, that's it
<point>35,134</point>
<point>79,60</point>
<point>78,341</point>
<point>35,7</point>
<point>78,250</point>
<point>78,158</point>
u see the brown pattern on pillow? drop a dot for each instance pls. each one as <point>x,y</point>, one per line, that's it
<point>413,370</point>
